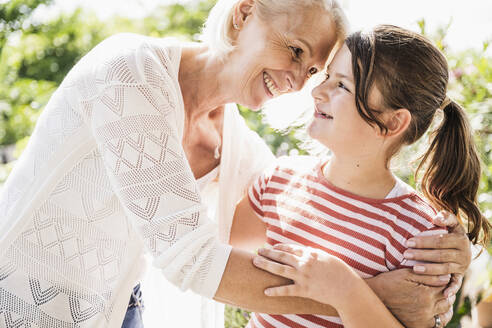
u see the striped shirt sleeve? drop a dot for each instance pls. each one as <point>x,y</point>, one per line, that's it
<point>424,213</point>
<point>257,190</point>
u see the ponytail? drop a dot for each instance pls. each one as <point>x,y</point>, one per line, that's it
<point>452,175</point>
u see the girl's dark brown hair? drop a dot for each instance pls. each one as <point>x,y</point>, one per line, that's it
<point>410,72</point>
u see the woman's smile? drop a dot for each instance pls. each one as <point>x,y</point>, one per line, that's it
<point>271,87</point>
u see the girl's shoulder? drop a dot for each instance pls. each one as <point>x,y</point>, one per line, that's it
<point>411,209</point>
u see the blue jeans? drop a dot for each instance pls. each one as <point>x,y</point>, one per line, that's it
<point>133,316</point>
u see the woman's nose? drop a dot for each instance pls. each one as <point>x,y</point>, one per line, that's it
<point>298,78</point>
<point>294,82</point>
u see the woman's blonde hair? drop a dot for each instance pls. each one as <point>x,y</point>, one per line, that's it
<point>218,27</point>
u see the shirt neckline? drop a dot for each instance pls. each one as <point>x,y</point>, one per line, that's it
<point>322,179</point>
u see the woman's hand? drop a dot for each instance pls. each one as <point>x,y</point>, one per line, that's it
<point>414,299</point>
<point>445,254</point>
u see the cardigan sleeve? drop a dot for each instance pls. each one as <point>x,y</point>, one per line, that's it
<point>134,120</point>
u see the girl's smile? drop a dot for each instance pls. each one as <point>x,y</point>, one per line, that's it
<point>337,124</point>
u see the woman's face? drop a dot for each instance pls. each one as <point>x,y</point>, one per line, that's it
<point>337,124</point>
<point>277,56</point>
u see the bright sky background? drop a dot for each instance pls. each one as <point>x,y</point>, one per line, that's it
<point>471,19</point>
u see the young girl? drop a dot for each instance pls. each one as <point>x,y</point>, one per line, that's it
<point>381,91</point>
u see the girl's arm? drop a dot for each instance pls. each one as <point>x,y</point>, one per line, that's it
<point>243,284</point>
<point>341,287</point>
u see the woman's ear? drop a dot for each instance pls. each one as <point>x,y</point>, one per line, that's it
<point>242,10</point>
<point>397,122</point>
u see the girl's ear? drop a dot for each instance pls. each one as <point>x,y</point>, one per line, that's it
<point>397,122</point>
<point>242,10</point>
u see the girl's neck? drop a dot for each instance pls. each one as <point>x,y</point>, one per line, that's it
<point>203,80</point>
<point>367,177</point>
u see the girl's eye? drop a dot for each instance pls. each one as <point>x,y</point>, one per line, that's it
<point>341,85</point>
<point>327,76</point>
<point>296,51</point>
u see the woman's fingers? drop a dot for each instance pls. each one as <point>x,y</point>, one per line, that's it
<point>455,285</point>
<point>447,220</point>
<point>278,269</point>
<point>289,290</point>
<point>441,241</point>
<point>452,251</point>
<point>429,280</point>
<point>437,268</point>
<point>432,255</point>
<point>446,317</point>
<point>445,304</point>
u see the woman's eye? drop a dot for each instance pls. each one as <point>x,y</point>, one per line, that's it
<point>313,70</point>
<point>296,51</point>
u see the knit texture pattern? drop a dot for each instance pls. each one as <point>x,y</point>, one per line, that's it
<point>103,179</point>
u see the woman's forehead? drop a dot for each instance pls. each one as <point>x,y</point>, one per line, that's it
<point>315,34</point>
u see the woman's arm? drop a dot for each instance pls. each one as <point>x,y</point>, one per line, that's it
<point>340,285</point>
<point>248,231</point>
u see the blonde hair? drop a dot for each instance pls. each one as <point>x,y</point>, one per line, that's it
<point>218,27</point>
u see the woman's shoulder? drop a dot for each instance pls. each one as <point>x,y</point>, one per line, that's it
<point>131,58</point>
<point>122,42</point>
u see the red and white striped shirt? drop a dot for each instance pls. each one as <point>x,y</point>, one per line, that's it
<point>300,206</point>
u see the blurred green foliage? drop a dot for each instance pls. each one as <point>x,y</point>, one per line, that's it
<point>35,56</point>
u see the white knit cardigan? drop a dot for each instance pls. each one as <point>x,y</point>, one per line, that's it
<point>244,156</point>
<point>103,179</point>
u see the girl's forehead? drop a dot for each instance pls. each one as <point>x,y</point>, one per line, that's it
<point>341,62</point>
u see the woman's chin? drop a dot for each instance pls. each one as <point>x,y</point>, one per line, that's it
<point>254,106</point>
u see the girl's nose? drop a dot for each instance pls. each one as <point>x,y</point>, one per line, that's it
<point>319,92</point>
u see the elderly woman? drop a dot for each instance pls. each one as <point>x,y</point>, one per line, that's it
<point>110,173</point>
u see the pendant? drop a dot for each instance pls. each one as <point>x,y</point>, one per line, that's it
<point>217,152</point>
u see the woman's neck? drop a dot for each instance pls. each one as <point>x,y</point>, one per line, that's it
<point>203,81</point>
<point>364,176</point>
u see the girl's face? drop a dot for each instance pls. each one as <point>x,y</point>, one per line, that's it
<point>337,123</point>
<point>278,55</point>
